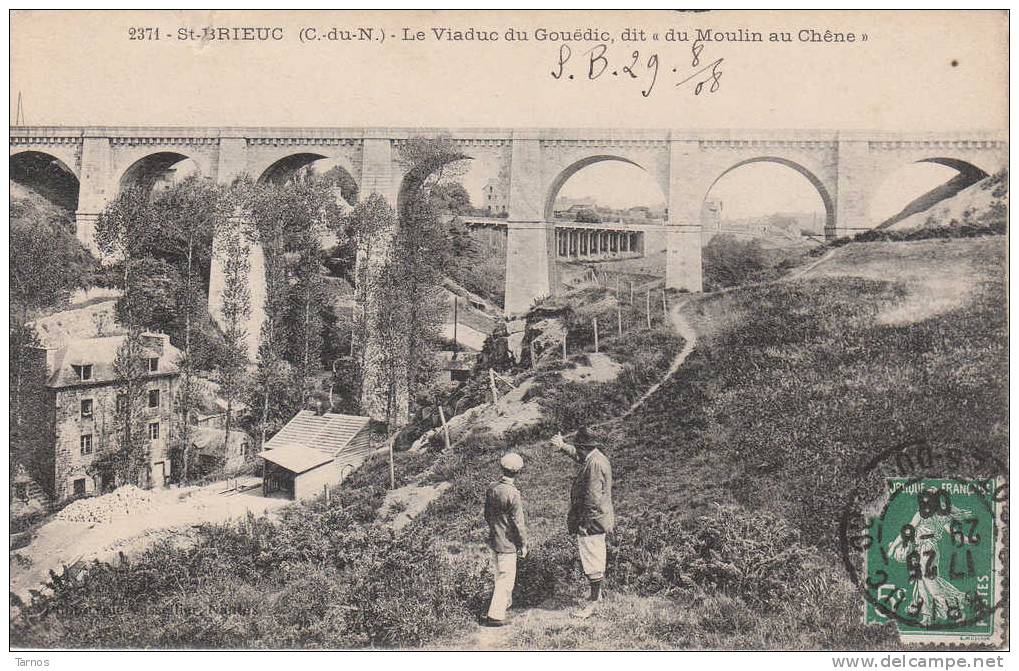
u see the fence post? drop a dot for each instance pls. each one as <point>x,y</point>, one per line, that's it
<point>631,292</point>
<point>595,334</point>
<point>445,429</point>
<point>564,345</point>
<point>619,318</point>
<point>392,467</point>
<point>665,306</point>
<point>647,307</point>
<point>495,391</point>
<point>325,493</point>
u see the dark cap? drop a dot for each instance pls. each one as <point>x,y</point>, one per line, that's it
<point>587,438</point>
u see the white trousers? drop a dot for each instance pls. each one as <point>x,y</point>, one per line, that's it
<point>592,555</point>
<point>504,566</point>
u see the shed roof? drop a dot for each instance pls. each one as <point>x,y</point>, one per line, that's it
<point>295,458</point>
<point>328,433</point>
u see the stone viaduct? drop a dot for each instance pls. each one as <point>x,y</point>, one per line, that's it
<point>530,165</point>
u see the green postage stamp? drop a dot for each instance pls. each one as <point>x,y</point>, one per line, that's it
<point>932,561</point>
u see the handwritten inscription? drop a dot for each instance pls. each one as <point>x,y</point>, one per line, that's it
<point>698,74</point>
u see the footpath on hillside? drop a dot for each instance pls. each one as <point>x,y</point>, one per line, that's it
<point>556,612</point>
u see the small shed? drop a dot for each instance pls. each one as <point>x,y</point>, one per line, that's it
<point>313,451</point>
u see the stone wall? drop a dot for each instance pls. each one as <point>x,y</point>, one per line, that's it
<point>69,426</point>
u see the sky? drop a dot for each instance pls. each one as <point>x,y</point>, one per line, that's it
<point>916,70</point>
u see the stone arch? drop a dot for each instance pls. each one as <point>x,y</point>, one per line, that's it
<point>416,175</point>
<point>145,171</point>
<point>966,168</point>
<point>815,181</point>
<point>967,174</point>
<point>48,175</point>
<point>285,167</point>
<point>573,168</point>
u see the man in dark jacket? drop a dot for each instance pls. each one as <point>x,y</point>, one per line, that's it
<point>507,536</point>
<point>591,514</point>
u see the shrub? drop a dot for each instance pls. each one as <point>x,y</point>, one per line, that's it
<point>729,261</point>
<point>752,556</point>
<point>551,567</point>
<point>315,578</point>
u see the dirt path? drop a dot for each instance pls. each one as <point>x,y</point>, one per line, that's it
<point>797,273</point>
<point>685,329</point>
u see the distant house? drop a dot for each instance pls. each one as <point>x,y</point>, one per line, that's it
<point>493,198</point>
<point>455,366</point>
<point>314,450</point>
<point>81,397</point>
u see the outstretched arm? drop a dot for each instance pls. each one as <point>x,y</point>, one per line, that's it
<point>559,443</point>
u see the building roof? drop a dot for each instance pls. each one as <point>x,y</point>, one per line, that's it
<point>328,433</point>
<point>101,353</point>
<point>296,458</point>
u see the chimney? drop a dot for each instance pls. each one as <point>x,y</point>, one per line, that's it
<point>45,356</point>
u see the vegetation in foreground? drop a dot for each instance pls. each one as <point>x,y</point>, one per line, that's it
<point>729,483</point>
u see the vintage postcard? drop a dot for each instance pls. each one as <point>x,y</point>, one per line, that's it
<point>510,330</point>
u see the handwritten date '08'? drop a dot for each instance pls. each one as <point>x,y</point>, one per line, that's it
<point>596,62</point>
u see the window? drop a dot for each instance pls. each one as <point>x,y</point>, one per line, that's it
<point>153,398</point>
<point>84,371</point>
<point>79,487</point>
<point>86,443</point>
<point>86,408</point>
<point>121,403</point>
<point>154,364</point>
<point>154,431</point>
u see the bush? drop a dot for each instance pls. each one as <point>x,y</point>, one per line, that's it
<point>315,578</point>
<point>729,261</point>
<point>755,557</point>
<point>551,566</point>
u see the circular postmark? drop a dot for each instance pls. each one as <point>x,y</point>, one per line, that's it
<point>921,537</point>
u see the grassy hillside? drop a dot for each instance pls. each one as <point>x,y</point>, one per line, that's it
<point>729,481</point>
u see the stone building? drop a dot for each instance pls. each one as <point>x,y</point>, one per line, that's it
<point>494,198</point>
<point>81,397</point>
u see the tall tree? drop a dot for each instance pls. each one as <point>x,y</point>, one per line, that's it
<point>423,250</point>
<point>131,455</point>
<point>27,408</point>
<point>191,212</point>
<point>233,250</point>
<point>371,224</point>
<point>290,220</point>
<point>400,297</point>
<point>163,244</point>
<point>46,261</point>
<point>124,231</point>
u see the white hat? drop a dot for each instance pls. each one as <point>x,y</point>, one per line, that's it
<point>511,461</point>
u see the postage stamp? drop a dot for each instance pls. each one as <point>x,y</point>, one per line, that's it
<point>930,549</point>
<point>932,565</point>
